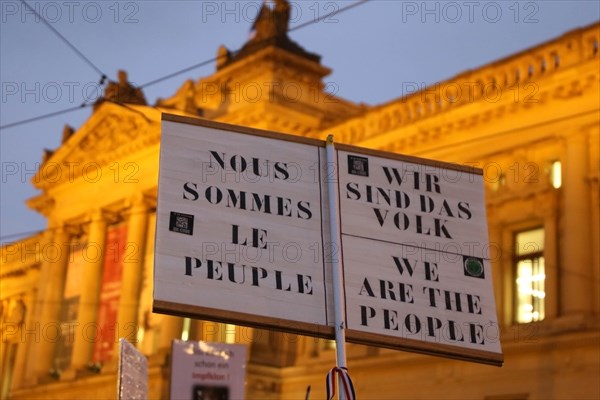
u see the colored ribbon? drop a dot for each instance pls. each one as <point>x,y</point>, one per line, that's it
<point>345,383</point>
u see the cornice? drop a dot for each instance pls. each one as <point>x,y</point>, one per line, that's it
<point>42,203</point>
<point>18,258</point>
<point>113,133</point>
<point>271,120</point>
<point>382,124</point>
<point>568,66</point>
<point>277,59</point>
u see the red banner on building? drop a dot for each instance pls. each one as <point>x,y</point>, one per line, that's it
<point>110,292</point>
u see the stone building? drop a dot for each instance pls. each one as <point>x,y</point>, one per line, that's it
<point>530,121</point>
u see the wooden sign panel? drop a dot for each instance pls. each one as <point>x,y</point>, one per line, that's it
<point>239,228</point>
<point>415,252</point>
<point>243,237</point>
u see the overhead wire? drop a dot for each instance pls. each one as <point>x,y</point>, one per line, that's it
<point>119,217</point>
<point>215,59</point>
<point>103,76</point>
<point>168,76</point>
<point>497,134</point>
<point>176,73</point>
<point>64,39</point>
<point>6,242</point>
<point>18,236</point>
<point>52,114</point>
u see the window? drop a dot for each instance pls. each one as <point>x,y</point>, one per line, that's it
<point>556,174</point>
<point>328,344</point>
<point>230,333</point>
<point>69,309</point>
<point>322,346</point>
<point>530,275</point>
<point>498,182</point>
<point>185,330</point>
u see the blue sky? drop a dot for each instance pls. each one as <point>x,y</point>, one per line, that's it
<point>374,50</point>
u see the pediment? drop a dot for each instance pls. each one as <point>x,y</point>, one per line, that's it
<point>112,133</point>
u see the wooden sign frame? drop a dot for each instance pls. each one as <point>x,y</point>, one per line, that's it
<point>271,143</point>
<point>477,351</point>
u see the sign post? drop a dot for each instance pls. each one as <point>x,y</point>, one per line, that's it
<point>336,263</point>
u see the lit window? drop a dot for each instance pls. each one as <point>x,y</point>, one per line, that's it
<point>530,276</point>
<point>498,183</point>
<point>556,174</point>
<point>185,331</point>
<point>230,332</point>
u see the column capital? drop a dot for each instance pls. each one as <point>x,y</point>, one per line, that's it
<point>90,287</point>
<point>577,133</point>
<point>140,201</point>
<point>95,215</point>
<point>132,281</point>
<point>576,253</point>
<point>55,229</point>
<point>103,216</point>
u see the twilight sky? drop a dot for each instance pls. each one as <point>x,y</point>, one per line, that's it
<point>376,50</point>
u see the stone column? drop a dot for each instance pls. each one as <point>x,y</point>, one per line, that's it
<point>133,268</point>
<point>90,292</point>
<point>46,313</point>
<point>503,306</point>
<point>594,182</point>
<point>552,263</point>
<point>23,351</point>
<point>575,270</point>
<point>170,328</point>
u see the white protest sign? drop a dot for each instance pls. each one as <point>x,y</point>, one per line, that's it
<point>243,236</point>
<point>416,256</point>
<point>239,228</point>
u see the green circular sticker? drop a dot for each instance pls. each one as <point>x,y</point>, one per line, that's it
<point>474,267</point>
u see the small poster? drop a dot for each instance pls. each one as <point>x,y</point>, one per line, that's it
<point>207,371</point>
<point>133,373</point>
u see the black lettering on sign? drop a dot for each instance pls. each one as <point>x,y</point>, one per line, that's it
<point>249,275</point>
<point>255,166</point>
